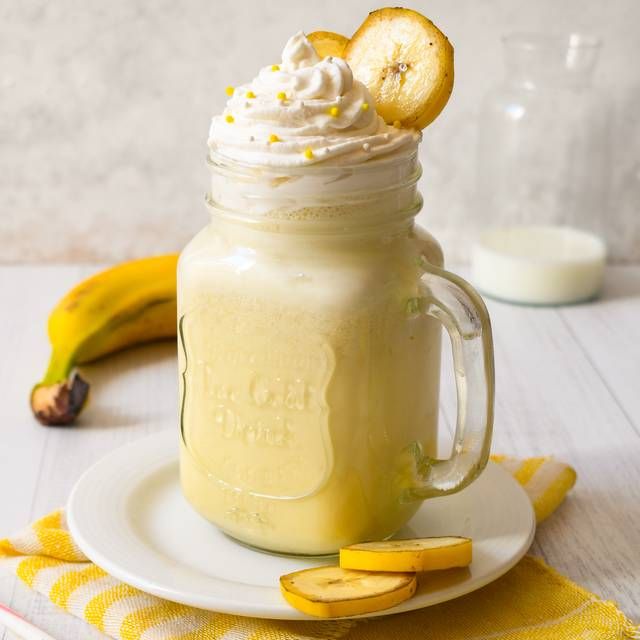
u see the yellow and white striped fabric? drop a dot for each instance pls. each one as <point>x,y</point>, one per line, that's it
<point>545,480</point>
<point>531,601</point>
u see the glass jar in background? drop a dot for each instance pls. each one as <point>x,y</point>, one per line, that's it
<point>543,155</point>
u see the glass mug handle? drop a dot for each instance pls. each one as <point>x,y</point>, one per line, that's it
<point>456,304</point>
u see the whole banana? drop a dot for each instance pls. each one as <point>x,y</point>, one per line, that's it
<point>126,305</point>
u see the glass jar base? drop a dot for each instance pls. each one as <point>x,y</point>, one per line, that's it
<point>281,554</point>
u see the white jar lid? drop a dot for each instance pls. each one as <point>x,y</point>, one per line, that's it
<point>542,265</point>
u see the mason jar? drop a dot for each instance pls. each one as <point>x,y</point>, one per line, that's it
<point>310,313</point>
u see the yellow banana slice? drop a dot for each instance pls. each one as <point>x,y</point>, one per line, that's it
<point>332,592</point>
<point>417,554</point>
<point>327,43</point>
<point>406,62</point>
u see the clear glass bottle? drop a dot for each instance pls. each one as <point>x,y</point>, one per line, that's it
<point>543,153</point>
<point>309,346</point>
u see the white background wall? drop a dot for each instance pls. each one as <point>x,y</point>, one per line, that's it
<point>105,106</point>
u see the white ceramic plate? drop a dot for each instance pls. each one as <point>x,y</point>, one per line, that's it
<point>128,515</point>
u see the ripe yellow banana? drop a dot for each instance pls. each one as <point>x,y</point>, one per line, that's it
<point>126,305</point>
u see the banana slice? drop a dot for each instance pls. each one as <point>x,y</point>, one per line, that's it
<point>327,43</point>
<point>332,592</point>
<point>406,62</point>
<point>417,554</point>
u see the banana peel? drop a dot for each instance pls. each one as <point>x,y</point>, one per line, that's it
<point>126,305</point>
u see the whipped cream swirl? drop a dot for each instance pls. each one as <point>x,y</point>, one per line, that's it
<point>303,111</point>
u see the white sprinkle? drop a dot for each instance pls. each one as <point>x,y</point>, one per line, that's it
<point>366,146</point>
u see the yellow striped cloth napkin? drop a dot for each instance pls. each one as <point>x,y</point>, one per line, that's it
<point>530,602</point>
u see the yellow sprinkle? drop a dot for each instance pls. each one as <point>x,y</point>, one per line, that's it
<point>275,67</point>
<point>229,91</point>
<point>273,138</point>
<point>365,106</point>
<point>397,124</point>
<point>229,119</point>
<point>308,153</point>
<point>250,94</point>
<point>334,112</point>
<point>281,95</point>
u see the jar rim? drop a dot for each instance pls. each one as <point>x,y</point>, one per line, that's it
<point>529,40</point>
<point>329,227</point>
<point>323,197</point>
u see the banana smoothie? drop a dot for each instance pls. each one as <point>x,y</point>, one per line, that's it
<point>309,367</point>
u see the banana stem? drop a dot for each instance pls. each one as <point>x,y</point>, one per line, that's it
<point>59,397</point>
<point>59,368</point>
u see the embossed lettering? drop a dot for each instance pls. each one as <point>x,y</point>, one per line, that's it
<point>276,431</point>
<point>256,407</point>
<point>276,392</point>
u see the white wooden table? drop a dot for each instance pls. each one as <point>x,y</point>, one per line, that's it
<point>568,384</point>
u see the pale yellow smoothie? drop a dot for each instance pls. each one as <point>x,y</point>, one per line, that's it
<point>305,378</point>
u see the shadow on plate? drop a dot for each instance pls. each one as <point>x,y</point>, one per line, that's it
<point>432,581</point>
